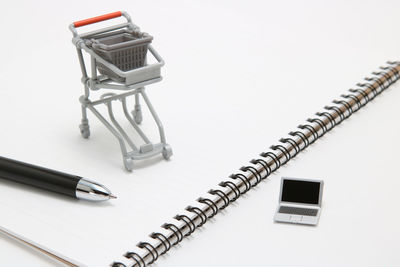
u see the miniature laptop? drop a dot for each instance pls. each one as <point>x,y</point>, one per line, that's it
<point>299,201</point>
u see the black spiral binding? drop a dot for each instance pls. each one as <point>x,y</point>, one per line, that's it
<point>261,168</point>
<point>136,257</point>
<point>189,222</point>
<point>272,156</point>
<point>302,136</point>
<point>254,171</point>
<point>175,230</point>
<point>243,178</point>
<point>234,188</point>
<point>311,130</point>
<point>261,162</point>
<point>285,141</point>
<point>163,240</point>
<point>222,196</point>
<point>149,247</point>
<point>284,151</point>
<point>211,204</point>
<point>200,213</point>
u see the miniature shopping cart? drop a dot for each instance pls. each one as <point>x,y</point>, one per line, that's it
<point>118,57</point>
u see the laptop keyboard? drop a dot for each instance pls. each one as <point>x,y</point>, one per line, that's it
<point>298,211</point>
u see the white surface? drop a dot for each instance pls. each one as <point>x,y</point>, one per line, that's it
<point>238,76</point>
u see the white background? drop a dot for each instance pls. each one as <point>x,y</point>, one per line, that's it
<point>238,76</point>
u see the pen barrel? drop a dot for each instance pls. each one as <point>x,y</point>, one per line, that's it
<point>39,177</point>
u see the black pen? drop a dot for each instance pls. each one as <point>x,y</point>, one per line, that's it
<point>51,180</point>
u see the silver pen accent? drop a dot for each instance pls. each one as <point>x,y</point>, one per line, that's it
<point>92,191</point>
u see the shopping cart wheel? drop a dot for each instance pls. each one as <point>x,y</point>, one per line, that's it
<point>85,132</point>
<point>167,152</point>
<point>137,115</point>
<point>128,163</point>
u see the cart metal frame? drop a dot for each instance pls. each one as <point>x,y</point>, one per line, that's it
<point>133,84</point>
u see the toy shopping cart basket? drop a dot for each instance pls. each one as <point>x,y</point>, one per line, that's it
<point>118,63</point>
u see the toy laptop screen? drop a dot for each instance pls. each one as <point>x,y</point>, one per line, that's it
<point>298,191</point>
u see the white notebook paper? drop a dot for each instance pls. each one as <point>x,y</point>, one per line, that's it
<point>224,99</point>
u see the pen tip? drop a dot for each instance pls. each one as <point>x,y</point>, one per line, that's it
<point>112,196</point>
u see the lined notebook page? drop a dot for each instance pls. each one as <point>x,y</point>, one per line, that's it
<point>238,77</point>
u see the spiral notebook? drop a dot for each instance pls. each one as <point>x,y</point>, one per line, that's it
<point>260,168</point>
<point>210,203</point>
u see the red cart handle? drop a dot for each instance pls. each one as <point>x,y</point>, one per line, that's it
<point>104,17</point>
